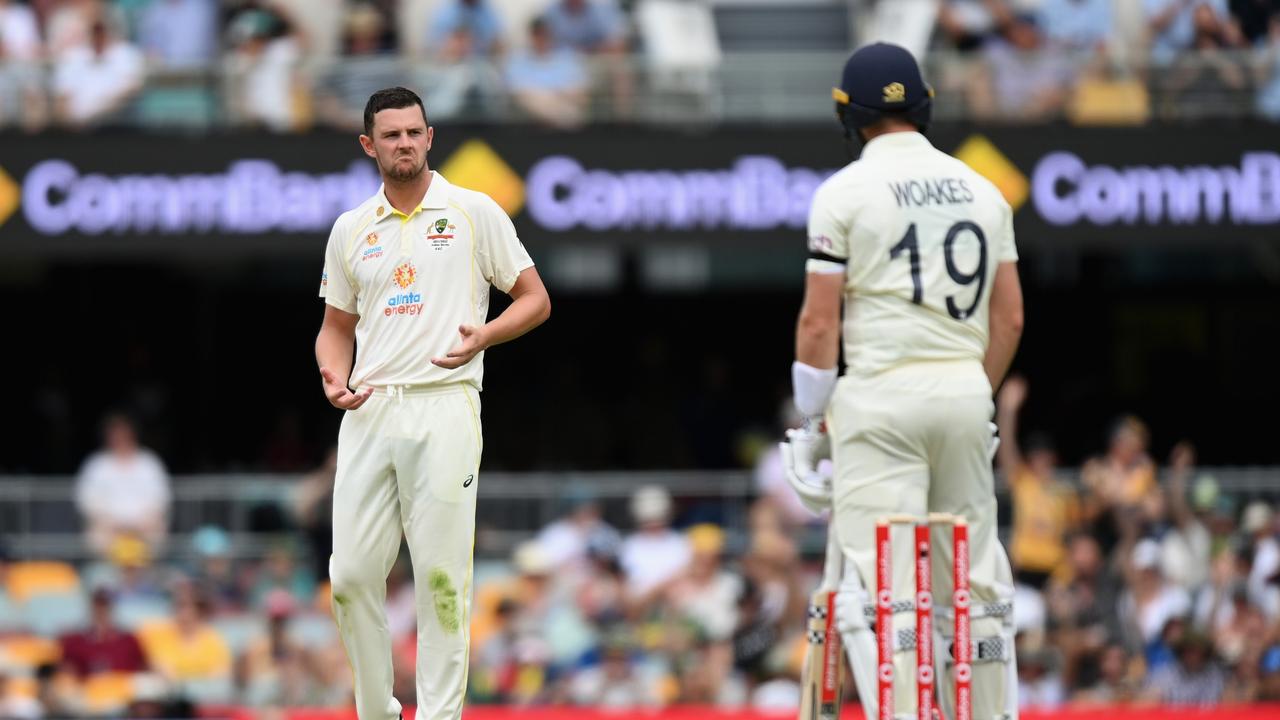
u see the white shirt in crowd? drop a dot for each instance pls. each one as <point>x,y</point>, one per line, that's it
<point>91,83</point>
<point>19,34</point>
<point>650,559</point>
<point>125,491</point>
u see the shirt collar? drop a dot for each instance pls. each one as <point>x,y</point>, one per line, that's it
<point>890,142</point>
<point>437,198</point>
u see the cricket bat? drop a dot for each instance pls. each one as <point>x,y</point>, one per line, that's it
<point>823,673</point>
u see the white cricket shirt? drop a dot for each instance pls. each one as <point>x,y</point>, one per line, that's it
<point>413,279</point>
<point>918,235</point>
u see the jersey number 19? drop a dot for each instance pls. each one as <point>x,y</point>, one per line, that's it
<point>911,245</point>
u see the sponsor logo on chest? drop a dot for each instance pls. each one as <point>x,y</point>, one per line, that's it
<point>407,302</point>
<point>372,247</point>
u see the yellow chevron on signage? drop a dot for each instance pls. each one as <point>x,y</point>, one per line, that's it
<point>986,159</point>
<point>476,166</point>
<point>10,196</point>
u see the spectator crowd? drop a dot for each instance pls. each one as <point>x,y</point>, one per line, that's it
<point>1135,584</point>
<point>290,65</point>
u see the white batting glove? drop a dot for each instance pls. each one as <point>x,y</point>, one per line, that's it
<point>994,444</point>
<point>802,451</point>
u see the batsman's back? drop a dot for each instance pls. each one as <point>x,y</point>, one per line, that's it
<point>919,235</point>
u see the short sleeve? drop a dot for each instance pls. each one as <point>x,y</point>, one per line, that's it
<point>828,235</point>
<point>1008,248</point>
<point>499,253</point>
<point>336,286</point>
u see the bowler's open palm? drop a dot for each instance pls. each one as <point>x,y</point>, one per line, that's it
<point>473,342</point>
<point>340,396</point>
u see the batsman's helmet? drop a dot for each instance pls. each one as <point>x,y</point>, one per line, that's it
<point>882,79</point>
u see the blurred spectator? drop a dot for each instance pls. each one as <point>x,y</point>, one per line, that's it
<point>1117,483</point>
<point>180,34</point>
<point>274,669</point>
<point>1040,684</point>
<point>1267,71</point>
<point>215,572</point>
<point>1259,526</point>
<point>362,70</point>
<point>1174,25</point>
<point>589,26</point>
<point>265,52</point>
<point>654,553</point>
<point>1117,682</point>
<point>1211,71</point>
<point>102,647</point>
<point>1080,603</point>
<point>465,77</point>
<point>94,83</point>
<point>19,33</point>
<point>1185,548</point>
<point>706,594</point>
<point>548,82</point>
<point>129,572</point>
<point>1193,679</point>
<point>464,28</point>
<point>1043,509</point>
<point>597,27</point>
<point>187,648</point>
<point>1021,81</point>
<point>122,488</point>
<point>68,22</point>
<point>280,571</point>
<point>568,541</point>
<point>968,24</point>
<point>601,592</point>
<point>1149,601</point>
<point>1076,25</point>
<point>614,682</point>
<point>313,512</point>
<point>533,632</point>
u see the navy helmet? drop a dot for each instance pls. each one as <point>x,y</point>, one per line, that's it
<point>881,78</point>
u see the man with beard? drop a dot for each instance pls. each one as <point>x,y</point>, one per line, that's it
<point>406,287</point>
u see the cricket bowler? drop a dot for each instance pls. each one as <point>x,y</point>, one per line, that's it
<point>406,289</point>
<point>916,250</point>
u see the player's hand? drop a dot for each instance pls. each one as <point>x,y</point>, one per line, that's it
<point>474,340</point>
<point>802,450</point>
<point>340,396</point>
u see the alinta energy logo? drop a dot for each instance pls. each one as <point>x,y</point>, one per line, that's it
<point>405,303</point>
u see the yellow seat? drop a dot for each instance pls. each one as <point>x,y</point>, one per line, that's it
<point>107,692</point>
<point>29,651</point>
<point>1106,101</point>
<point>41,577</point>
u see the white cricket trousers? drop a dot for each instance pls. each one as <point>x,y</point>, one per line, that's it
<point>408,460</point>
<point>914,440</point>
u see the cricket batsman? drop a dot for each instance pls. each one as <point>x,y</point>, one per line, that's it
<point>917,250</point>
<point>406,290</point>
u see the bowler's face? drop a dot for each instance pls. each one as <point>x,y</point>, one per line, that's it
<point>400,142</point>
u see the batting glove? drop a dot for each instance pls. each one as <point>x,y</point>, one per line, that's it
<point>802,450</point>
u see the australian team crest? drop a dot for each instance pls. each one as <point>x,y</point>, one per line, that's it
<point>442,235</point>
